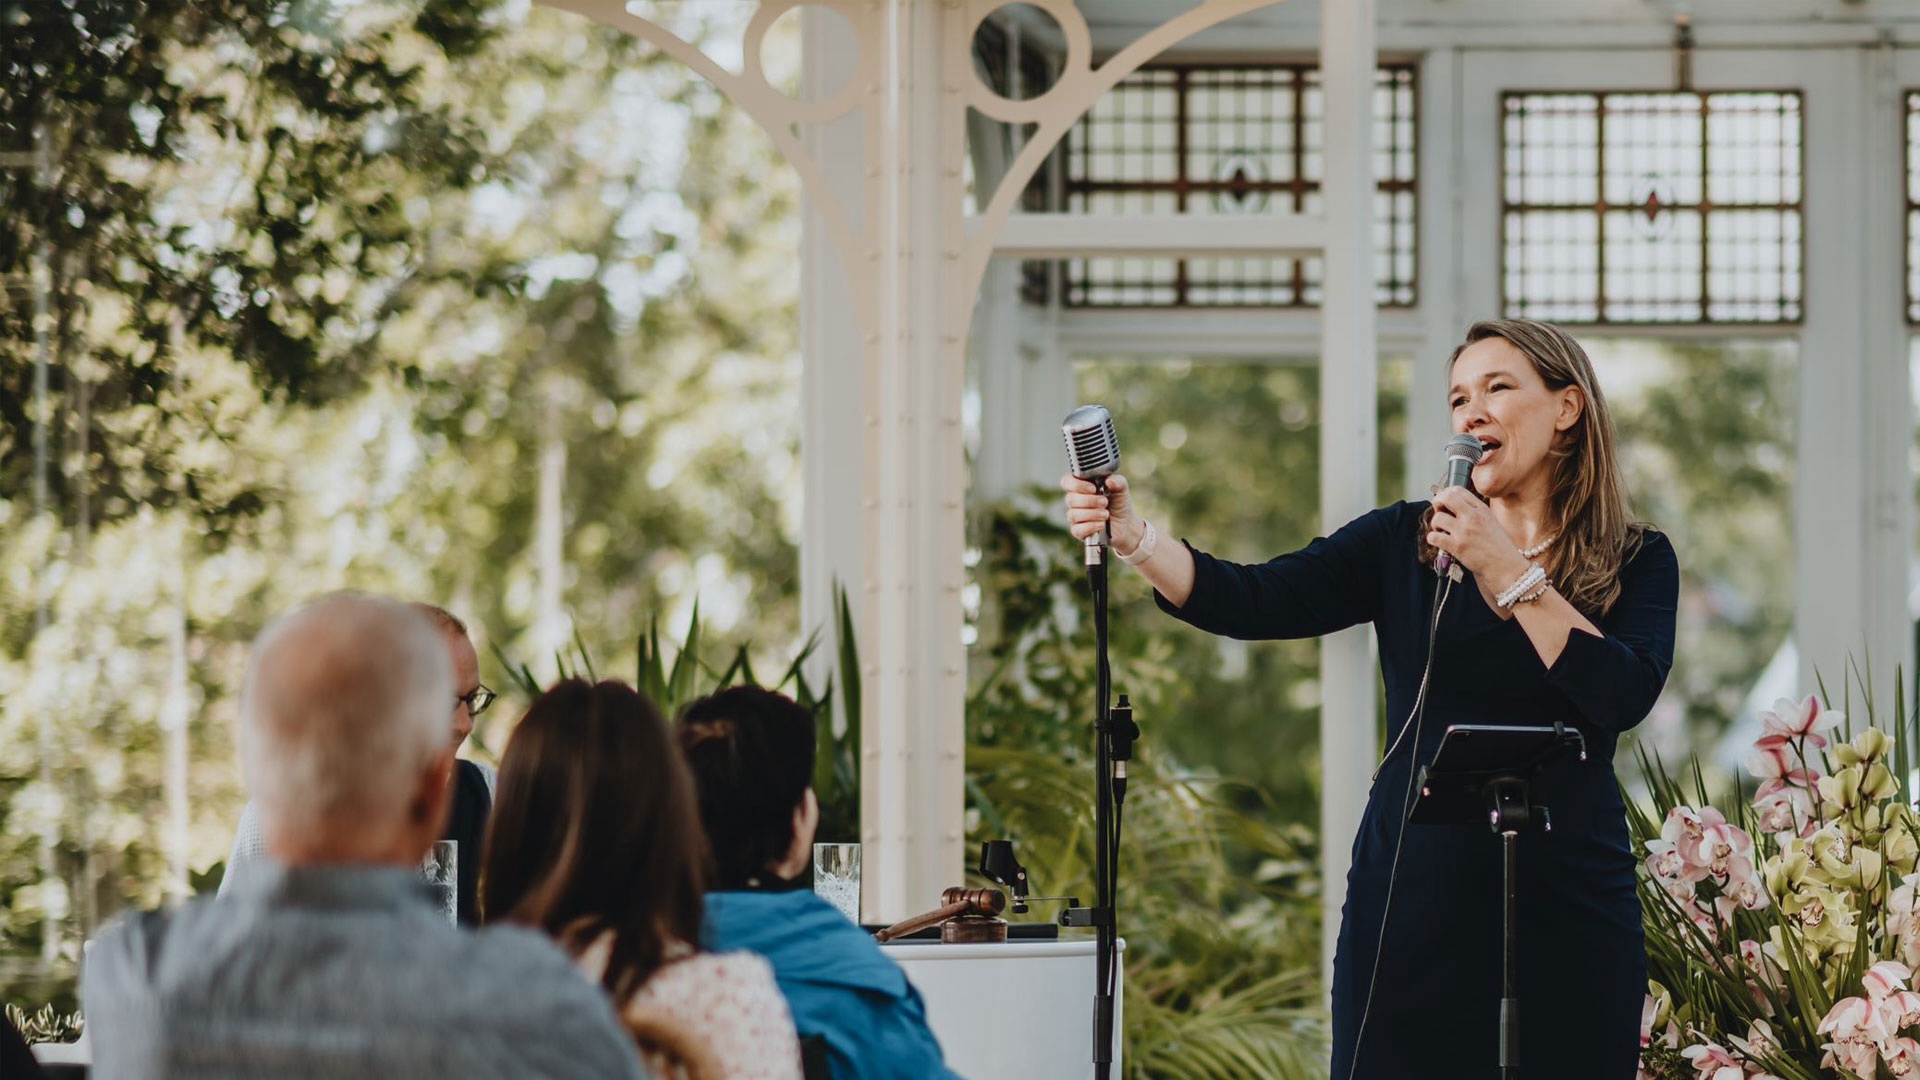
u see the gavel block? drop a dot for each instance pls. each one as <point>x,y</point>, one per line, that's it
<point>970,916</point>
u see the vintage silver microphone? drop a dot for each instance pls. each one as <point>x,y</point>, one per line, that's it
<point>1463,453</point>
<point>1093,453</point>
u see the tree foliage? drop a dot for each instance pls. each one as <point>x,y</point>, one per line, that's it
<point>388,296</point>
<point>1707,443</point>
<point>230,177</point>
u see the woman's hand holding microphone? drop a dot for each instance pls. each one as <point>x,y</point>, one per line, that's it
<point>1168,566</point>
<point>1089,511</point>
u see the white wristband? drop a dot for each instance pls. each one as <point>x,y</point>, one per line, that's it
<point>1145,550</point>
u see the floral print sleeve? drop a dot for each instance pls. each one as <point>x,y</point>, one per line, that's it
<point>731,1004</point>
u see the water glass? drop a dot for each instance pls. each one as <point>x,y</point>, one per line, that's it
<point>441,871</point>
<point>836,877</point>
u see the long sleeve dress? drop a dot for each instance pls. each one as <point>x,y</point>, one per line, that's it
<point>1435,1010</point>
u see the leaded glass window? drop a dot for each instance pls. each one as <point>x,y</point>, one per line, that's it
<point>1234,139</point>
<point>1648,208</point>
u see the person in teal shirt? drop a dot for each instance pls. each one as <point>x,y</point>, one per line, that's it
<point>751,752</point>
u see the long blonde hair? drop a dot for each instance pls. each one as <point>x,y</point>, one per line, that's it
<point>1587,499</point>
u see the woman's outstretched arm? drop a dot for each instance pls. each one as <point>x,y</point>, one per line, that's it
<point>1168,568</point>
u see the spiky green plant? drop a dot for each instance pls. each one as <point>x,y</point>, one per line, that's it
<point>674,683</point>
<point>47,1025</point>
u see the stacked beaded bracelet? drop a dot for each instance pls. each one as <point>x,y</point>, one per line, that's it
<point>1144,551</point>
<point>1531,586</point>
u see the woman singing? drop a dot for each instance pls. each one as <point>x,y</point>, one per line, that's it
<point>1587,639</point>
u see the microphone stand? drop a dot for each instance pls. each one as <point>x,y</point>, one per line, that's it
<point>1115,733</point>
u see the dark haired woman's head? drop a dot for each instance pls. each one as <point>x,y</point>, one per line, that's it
<point>751,753</point>
<point>594,829</point>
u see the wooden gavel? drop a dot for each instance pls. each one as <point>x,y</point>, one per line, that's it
<point>955,903</point>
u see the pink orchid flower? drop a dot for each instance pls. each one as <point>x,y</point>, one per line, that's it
<point>1857,1056</point>
<point>1685,828</point>
<point>1706,918</point>
<point>1664,860</point>
<point>1900,903</point>
<point>1885,977</point>
<point>1807,719</point>
<point>1714,1063</point>
<point>1719,846</point>
<point>1763,974</point>
<point>1759,1041</point>
<point>1669,865</point>
<point>1900,1009</point>
<point>1772,757</point>
<point>1786,802</point>
<point>1747,890</point>
<point>1685,821</point>
<point>1902,1056</point>
<point>1649,1009</point>
<point>1854,1019</point>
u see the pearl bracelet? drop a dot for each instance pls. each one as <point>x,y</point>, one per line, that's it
<point>1530,586</point>
<point>1144,551</point>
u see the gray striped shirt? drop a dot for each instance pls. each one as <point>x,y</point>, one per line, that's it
<point>340,971</point>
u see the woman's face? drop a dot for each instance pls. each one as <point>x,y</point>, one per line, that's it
<point>1497,395</point>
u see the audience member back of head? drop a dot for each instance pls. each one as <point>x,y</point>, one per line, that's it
<point>333,960</point>
<point>751,752</point>
<point>596,841</point>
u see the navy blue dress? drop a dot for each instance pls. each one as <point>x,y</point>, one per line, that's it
<point>1583,971</point>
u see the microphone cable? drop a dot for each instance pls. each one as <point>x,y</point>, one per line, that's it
<point>1443,588</point>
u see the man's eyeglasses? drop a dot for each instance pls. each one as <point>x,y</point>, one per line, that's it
<point>477,701</point>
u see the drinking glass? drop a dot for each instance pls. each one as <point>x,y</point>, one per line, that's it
<point>441,871</point>
<point>836,877</point>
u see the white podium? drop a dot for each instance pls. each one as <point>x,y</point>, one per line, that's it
<point>1022,1008</point>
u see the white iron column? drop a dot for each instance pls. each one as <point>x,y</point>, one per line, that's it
<point>832,350</point>
<point>1349,376</point>
<point>1853,513</point>
<point>912,791</point>
<point>1440,251</point>
<point>1889,418</point>
<point>1024,390</point>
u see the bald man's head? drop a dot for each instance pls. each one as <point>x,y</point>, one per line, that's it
<point>344,706</point>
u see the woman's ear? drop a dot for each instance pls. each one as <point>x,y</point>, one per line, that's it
<point>806,821</point>
<point>1573,404</point>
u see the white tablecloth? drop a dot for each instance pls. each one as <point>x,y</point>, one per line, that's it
<point>1022,1008</point>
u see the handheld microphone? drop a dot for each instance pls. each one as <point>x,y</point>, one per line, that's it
<point>1093,453</point>
<point>1463,453</point>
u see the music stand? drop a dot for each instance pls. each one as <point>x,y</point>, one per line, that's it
<point>1487,773</point>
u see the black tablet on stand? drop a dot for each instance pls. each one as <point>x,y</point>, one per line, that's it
<point>1491,774</point>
